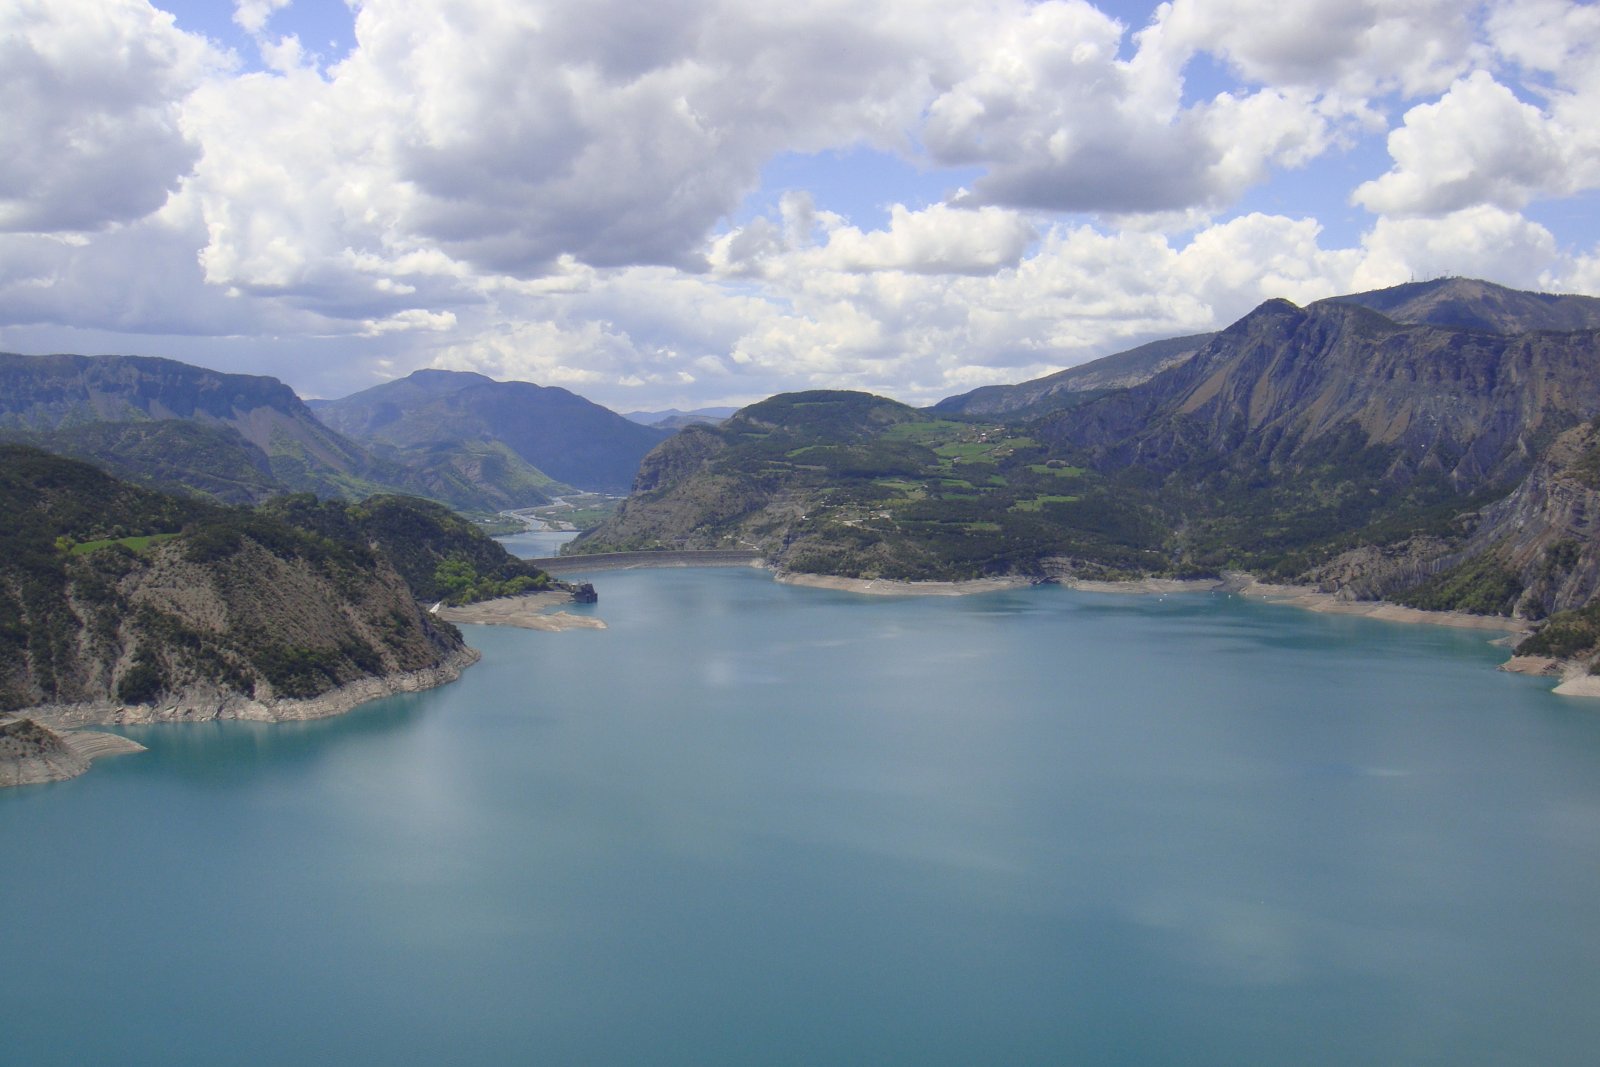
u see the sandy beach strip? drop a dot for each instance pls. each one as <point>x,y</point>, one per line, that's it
<point>1543,666</point>
<point>1145,586</point>
<point>206,703</point>
<point>1578,682</point>
<point>1300,596</point>
<point>893,587</point>
<point>1328,603</point>
<point>531,611</point>
<point>94,744</point>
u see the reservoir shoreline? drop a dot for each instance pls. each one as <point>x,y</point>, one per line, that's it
<point>48,742</point>
<point>68,749</point>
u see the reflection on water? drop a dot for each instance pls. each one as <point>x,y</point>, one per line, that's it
<point>755,823</point>
<point>535,544</point>
<point>226,751</point>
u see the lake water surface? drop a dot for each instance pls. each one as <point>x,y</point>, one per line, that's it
<point>757,824</point>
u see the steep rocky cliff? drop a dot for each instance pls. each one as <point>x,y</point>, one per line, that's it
<point>1455,303</point>
<point>1471,304</point>
<point>1284,381</point>
<point>1547,532</point>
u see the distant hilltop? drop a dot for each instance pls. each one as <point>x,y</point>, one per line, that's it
<point>572,440</point>
<point>673,419</point>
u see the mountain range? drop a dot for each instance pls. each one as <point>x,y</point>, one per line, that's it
<point>1434,442</point>
<point>461,439</point>
<point>673,419</point>
<point>1078,384</point>
<point>243,435</point>
<point>217,551</point>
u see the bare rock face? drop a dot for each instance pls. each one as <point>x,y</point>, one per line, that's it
<point>30,753</point>
<point>1284,381</point>
<point>1466,303</point>
<point>1548,530</point>
<point>204,701</point>
<point>1545,534</point>
<point>252,623</point>
<point>1371,572</point>
<point>678,458</point>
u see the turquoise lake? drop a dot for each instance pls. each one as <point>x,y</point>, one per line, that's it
<point>758,824</point>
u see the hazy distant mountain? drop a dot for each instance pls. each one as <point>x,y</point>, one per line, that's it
<point>211,459</point>
<point>1076,384</point>
<point>673,419</point>
<point>68,398</point>
<point>560,433</point>
<point>473,475</point>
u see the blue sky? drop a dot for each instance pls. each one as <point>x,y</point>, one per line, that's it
<point>702,202</point>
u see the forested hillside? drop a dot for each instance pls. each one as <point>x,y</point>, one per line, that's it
<point>113,594</point>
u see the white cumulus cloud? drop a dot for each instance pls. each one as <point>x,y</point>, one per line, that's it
<point>90,104</point>
<point>252,15</point>
<point>563,192</point>
<point>1480,241</point>
<point>1350,47</point>
<point>1478,144</point>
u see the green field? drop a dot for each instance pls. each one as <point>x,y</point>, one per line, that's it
<point>138,544</point>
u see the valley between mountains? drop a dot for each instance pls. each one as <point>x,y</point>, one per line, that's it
<point>183,543</point>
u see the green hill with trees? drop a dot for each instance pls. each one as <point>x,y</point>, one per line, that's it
<point>113,595</point>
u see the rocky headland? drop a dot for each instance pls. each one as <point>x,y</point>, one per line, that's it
<point>895,587</point>
<point>121,605</point>
<point>531,611</point>
<point>32,753</point>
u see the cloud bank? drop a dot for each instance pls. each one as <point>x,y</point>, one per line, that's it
<point>576,194</point>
